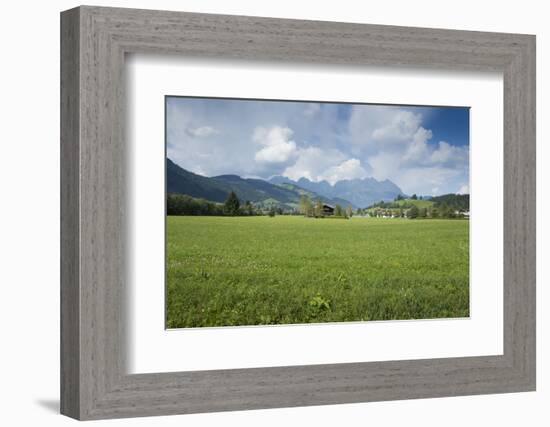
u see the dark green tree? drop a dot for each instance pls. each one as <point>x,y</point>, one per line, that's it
<point>444,211</point>
<point>414,197</point>
<point>412,212</point>
<point>232,204</point>
<point>248,208</point>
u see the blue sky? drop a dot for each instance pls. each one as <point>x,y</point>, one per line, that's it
<point>424,150</point>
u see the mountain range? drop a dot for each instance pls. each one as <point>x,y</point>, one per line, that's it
<point>278,190</point>
<point>359,192</point>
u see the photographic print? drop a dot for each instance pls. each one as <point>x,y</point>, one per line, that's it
<point>295,212</point>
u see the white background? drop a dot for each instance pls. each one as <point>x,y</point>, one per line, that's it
<point>152,349</point>
<point>29,214</point>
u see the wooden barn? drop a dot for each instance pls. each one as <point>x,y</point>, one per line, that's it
<point>328,209</point>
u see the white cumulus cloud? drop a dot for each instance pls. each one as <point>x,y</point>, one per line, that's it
<point>311,162</point>
<point>202,131</point>
<point>348,169</point>
<point>277,146</point>
<point>402,126</point>
<point>395,144</point>
<point>382,127</point>
<point>450,155</point>
<point>417,151</point>
<point>318,164</point>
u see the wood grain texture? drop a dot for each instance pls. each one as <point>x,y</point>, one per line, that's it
<point>70,259</point>
<point>94,380</point>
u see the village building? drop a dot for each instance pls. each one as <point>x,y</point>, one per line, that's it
<point>328,210</point>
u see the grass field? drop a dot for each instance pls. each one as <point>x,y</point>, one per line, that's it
<point>287,269</point>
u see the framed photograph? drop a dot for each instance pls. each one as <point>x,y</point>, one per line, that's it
<point>262,213</point>
<point>248,182</point>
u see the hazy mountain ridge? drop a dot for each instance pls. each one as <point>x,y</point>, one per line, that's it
<point>216,189</point>
<point>360,192</point>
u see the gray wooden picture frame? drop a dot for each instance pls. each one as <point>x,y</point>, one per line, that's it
<point>94,381</point>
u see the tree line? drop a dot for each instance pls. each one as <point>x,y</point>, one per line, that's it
<point>443,207</point>
<point>458,202</point>
<point>182,204</point>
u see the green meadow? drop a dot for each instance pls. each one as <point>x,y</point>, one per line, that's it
<point>259,270</point>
